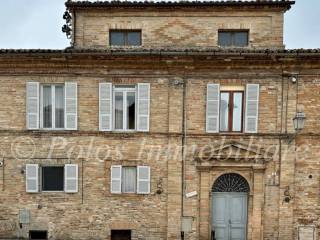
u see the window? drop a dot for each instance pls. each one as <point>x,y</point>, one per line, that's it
<point>233,38</point>
<point>231,111</point>
<point>125,179</point>
<point>225,108</point>
<point>52,106</point>
<point>124,108</point>
<point>36,234</point>
<point>120,234</point>
<point>52,178</point>
<point>129,178</point>
<point>125,37</point>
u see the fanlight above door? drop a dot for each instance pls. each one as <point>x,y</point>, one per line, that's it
<point>231,182</point>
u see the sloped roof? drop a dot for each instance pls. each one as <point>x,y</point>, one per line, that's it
<point>286,4</point>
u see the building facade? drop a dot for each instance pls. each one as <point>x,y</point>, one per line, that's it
<point>162,121</point>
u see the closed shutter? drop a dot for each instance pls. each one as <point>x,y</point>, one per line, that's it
<point>143,180</point>
<point>32,111</point>
<point>71,178</point>
<point>213,102</point>
<point>105,106</point>
<point>32,178</point>
<point>71,116</point>
<point>143,107</point>
<point>252,108</point>
<point>116,178</point>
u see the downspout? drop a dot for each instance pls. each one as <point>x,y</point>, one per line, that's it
<point>183,149</point>
<point>280,144</point>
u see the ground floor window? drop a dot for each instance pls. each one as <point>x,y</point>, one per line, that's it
<point>130,179</point>
<point>52,178</point>
<point>120,234</point>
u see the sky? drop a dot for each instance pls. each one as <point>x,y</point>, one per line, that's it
<point>37,24</point>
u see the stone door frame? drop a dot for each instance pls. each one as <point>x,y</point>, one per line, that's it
<point>255,178</point>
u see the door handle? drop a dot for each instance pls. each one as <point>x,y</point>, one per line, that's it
<point>229,221</point>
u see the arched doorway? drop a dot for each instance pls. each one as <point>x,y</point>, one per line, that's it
<point>230,207</point>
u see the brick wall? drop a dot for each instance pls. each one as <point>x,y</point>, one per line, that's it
<point>94,211</point>
<point>184,28</point>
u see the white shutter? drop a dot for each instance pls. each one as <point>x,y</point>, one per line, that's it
<point>71,116</point>
<point>32,111</point>
<point>116,171</point>
<point>213,102</point>
<point>71,178</point>
<point>143,180</point>
<point>143,106</point>
<point>105,106</point>
<point>252,108</point>
<point>32,178</point>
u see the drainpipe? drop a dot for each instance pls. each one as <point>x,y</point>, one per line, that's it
<point>183,149</point>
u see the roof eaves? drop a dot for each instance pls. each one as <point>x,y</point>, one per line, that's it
<point>172,4</point>
<point>162,51</point>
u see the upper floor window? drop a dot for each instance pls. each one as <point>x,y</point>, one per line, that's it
<point>124,108</point>
<point>52,106</point>
<point>233,38</point>
<point>125,37</point>
<point>231,108</point>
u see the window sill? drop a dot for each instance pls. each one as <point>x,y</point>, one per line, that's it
<point>129,195</point>
<point>52,192</point>
<point>236,47</point>
<point>230,133</point>
<point>124,131</point>
<point>51,130</point>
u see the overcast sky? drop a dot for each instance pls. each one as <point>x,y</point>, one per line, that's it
<point>37,24</point>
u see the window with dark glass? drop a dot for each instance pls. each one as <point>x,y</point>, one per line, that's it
<point>38,234</point>
<point>232,38</point>
<point>52,103</point>
<point>125,37</point>
<point>120,234</point>
<point>52,178</point>
<point>231,111</point>
<point>124,107</point>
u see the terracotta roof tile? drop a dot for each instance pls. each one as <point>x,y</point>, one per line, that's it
<point>165,4</point>
<point>162,51</point>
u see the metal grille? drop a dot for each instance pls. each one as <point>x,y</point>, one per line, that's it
<point>231,182</point>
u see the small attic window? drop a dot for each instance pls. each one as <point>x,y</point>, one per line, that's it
<point>125,37</point>
<point>233,38</point>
